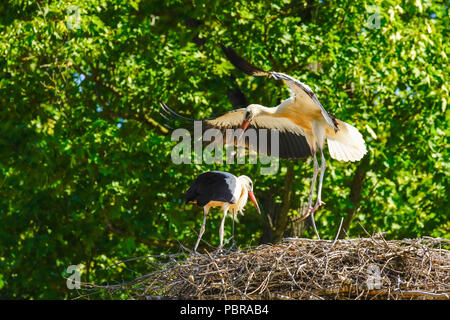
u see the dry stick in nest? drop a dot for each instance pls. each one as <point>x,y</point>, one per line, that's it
<point>305,268</point>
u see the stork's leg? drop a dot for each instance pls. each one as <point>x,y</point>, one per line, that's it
<point>222,226</point>
<point>311,191</point>
<point>232,228</point>
<point>313,182</point>
<point>319,202</point>
<point>323,166</point>
<point>202,229</point>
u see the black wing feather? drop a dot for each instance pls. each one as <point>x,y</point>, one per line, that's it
<point>241,63</point>
<point>296,146</point>
<point>250,69</point>
<point>291,145</point>
<point>212,186</point>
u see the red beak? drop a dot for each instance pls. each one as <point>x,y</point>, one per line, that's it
<point>252,196</point>
<point>245,125</point>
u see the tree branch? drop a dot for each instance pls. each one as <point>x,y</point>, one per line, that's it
<point>167,244</point>
<point>355,193</point>
<point>282,220</point>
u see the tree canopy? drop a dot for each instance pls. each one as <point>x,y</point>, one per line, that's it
<point>86,176</point>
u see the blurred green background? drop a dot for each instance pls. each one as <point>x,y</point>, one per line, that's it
<point>86,175</point>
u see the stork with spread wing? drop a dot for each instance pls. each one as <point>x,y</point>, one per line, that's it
<point>303,125</point>
<point>303,115</point>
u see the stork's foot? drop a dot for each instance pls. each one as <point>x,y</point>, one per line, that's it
<point>310,210</point>
<point>220,251</point>
<point>318,204</point>
<point>306,215</point>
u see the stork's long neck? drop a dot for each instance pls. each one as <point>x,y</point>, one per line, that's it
<point>262,110</point>
<point>242,200</point>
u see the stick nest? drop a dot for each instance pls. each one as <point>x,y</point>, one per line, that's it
<point>368,268</point>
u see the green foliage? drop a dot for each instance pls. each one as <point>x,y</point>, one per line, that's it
<point>86,175</point>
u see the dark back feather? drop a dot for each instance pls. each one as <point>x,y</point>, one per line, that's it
<point>212,186</point>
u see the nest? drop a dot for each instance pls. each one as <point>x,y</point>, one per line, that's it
<point>368,268</point>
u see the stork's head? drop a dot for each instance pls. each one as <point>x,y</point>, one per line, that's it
<point>248,184</point>
<point>250,112</point>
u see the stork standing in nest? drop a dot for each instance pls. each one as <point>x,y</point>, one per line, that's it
<point>220,189</point>
<point>302,122</point>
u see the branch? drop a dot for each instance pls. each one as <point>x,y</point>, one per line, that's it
<point>149,242</point>
<point>282,220</point>
<point>355,193</point>
<point>139,116</point>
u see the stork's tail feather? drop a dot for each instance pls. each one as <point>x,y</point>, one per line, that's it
<point>190,195</point>
<point>347,144</point>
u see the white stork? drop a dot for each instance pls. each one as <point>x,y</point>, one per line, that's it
<point>302,122</point>
<point>301,115</point>
<point>220,189</point>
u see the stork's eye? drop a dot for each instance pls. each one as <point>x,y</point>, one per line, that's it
<point>247,115</point>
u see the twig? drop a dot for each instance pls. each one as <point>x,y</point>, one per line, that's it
<point>338,233</point>
<point>314,225</point>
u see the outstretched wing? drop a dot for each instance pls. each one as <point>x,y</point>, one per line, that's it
<point>298,88</point>
<point>243,64</point>
<point>231,119</point>
<point>291,142</point>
